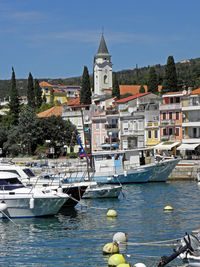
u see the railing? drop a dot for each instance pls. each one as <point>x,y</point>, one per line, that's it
<point>170,106</point>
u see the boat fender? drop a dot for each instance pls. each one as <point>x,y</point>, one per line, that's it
<point>115,175</point>
<point>109,179</point>
<point>111,213</point>
<point>110,248</point>
<point>60,190</point>
<point>31,203</point>
<point>116,259</point>
<point>139,265</point>
<point>3,206</point>
<point>125,173</point>
<point>120,237</point>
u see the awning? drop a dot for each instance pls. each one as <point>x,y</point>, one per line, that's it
<point>187,146</point>
<point>166,145</point>
<point>108,145</point>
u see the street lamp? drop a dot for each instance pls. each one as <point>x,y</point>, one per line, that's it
<point>110,135</point>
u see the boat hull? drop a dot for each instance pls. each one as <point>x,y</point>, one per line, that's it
<point>162,170</point>
<point>21,206</point>
<point>107,191</point>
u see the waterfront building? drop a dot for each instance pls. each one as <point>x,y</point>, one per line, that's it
<point>171,117</point>
<point>133,119</point>
<point>191,124</point>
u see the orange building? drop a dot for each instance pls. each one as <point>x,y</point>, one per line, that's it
<point>171,117</point>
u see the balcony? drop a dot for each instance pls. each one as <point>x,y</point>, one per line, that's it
<point>193,104</point>
<point>167,122</point>
<point>111,126</point>
<point>173,106</point>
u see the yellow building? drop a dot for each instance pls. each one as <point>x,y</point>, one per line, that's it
<point>61,93</point>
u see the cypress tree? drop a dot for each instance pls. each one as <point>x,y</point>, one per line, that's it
<point>170,78</point>
<point>38,94</point>
<point>115,89</point>
<point>152,81</point>
<point>142,89</point>
<point>14,103</point>
<point>30,92</point>
<point>51,95</point>
<point>85,94</point>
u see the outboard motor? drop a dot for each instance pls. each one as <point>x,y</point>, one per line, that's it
<point>188,243</point>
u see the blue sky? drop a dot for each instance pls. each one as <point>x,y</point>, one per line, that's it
<point>55,39</point>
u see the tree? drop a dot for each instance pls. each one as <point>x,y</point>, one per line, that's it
<point>115,89</point>
<point>30,91</point>
<point>14,103</point>
<point>85,95</point>
<point>152,83</point>
<point>38,94</point>
<point>62,134</point>
<point>142,89</point>
<point>51,96</point>
<point>170,78</point>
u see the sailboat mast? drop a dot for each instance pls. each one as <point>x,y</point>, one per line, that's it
<point>86,156</point>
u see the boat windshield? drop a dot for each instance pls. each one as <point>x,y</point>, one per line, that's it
<point>10,184</point>
<point>29,172</point>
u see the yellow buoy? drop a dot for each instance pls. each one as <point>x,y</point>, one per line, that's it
<point>110,248</point>
<point>116,259</point>
<point>112,213</point>
<point>168,208</point>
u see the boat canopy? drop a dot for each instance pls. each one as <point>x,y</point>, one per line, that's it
<point>187,146</point>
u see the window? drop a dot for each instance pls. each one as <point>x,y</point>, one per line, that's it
<point>105,79</point>
<point>164,116</point>
<point>170,115</point>
<point>170,131</point>
<point>156,134</point>
<point>194,132</point>
<point>177,99</point>
<point>177,115</point>
<point>97,126</point>
<point>171,100</point>
<point>177,132</point>
<point>149,134</point>
<point>164,131</point>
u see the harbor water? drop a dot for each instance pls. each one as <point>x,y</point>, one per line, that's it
<point>76,237</point>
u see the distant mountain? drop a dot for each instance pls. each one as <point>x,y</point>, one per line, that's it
<point>188,73</point>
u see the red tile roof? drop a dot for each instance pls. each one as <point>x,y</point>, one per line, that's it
<point>173,93</point>
<point>131,89</point>
<point>134,89</point>
<point>54,111</point>
<point>196,91</point>
<point>45,84</point>
<point>73,102</point>
<point>126,99</point>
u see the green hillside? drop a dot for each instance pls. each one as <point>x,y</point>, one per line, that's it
<point>188,74</point>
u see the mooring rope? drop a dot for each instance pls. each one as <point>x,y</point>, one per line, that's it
<point>155,243</point>
<point>9,218</point>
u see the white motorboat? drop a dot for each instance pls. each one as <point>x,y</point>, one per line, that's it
<point>27,178</point>
<point>103,191</point>
<point>17,201</point>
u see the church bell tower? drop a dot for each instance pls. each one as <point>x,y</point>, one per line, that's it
<point>102,70</point>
